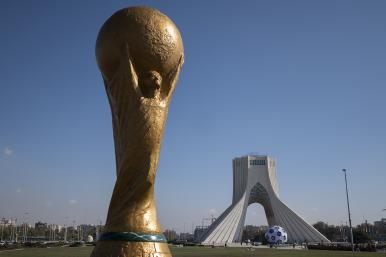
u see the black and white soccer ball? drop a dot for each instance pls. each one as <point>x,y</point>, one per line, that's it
<point>276,235</point>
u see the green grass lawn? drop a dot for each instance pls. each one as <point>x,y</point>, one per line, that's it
<point>188,252</point>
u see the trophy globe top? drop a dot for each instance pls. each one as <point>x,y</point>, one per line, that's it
<point>150,38</point>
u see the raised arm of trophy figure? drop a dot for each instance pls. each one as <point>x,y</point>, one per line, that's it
<point>172,79</point>
<point>125,75</point>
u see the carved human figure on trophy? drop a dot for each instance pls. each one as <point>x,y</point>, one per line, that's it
<point>139,51</point>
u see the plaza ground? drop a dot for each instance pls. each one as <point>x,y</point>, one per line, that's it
<point>188,252</point>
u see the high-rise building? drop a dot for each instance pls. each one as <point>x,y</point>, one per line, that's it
<point>254,181</point>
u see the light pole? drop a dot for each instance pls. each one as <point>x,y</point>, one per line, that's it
<point>348,209</point>
<point>25,227</point>
<point>65,229</point>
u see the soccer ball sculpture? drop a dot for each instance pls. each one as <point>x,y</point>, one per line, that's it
<point>276,235</point>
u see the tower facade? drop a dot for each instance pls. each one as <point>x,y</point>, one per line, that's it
<point>254,181</point>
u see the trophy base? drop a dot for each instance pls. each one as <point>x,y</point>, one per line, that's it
<point>130,249</point>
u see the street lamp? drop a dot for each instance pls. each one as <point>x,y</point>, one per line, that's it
<point>348,210</point>
<point>25,227</point>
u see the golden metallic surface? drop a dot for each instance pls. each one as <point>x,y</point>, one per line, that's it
<point>139,51</point>
<point>132,249</point>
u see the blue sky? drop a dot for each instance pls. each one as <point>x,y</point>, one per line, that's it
<point>303,81</point>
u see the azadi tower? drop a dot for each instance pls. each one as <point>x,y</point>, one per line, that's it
<point>254,181</point>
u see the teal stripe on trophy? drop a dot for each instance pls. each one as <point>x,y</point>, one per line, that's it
<point>133,237</point>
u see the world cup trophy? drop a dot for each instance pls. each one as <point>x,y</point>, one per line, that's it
<point>139,51</point>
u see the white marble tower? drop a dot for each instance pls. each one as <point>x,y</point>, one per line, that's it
<point>254,181</point>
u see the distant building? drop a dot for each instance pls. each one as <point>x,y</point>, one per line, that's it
<point>7,222</point>
<point>198,232</point>
<point>188,237</point>
<point>380,224</point>
<point>170,235</point>
<point>380,229</point>
<point>40,225</point>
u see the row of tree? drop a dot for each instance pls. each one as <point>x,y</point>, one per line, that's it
<point>23,233</point>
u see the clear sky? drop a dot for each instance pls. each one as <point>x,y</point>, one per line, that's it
<point>304,81</point>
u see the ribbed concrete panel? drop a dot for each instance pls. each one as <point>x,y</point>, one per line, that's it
<point>254,181</point>
<point>224,228</point>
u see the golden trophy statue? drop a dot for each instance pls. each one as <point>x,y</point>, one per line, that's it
<point>139,51</point>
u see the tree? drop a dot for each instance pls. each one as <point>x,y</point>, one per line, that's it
<point>360,237</point>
